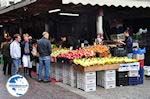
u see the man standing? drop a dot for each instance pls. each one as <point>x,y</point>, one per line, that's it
<point>44,48</point>
<point>15,53</point>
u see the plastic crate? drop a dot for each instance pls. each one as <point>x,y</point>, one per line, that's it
<point>139,51</point>
<point>120,52</point>
<point>122,82</point>
<point>133,80</point>
<point>122,78</point>
<point>121,74</point>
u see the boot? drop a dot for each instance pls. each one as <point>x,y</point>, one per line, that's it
<point>30,71</point>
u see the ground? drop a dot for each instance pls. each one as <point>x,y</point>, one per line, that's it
<point>60,91</point>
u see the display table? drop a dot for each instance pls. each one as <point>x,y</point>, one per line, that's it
<point>96,68</point>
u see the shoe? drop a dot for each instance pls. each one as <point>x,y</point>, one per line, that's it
<point>46,81</point>
<point>40,80</point>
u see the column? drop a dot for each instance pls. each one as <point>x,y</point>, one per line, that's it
<point>100,21</point>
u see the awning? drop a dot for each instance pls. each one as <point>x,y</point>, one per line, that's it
<point>16,6</point>
<point>123,3</point>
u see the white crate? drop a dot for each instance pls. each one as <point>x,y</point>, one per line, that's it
<point>134,66</point>
<point>133,73</point>
<point>108,84</point>
<point>109,75</point>
<point>124,67</point>
<point>88,87</point>
<point>73,82</point>
<point>86,81</point>
<point>147,70</point>
<point>139,56</point>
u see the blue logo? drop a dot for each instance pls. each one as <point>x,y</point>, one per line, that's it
<point>17,85</point>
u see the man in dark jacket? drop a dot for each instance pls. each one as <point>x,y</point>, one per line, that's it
<point>6,55</point>
<point>44,48</point>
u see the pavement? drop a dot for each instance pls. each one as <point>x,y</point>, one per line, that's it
<point>60,91</point>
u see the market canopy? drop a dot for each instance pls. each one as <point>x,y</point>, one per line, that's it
<point>123,3</point>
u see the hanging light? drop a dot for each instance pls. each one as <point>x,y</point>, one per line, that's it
<point>53,11</point>
<point>69,14</point>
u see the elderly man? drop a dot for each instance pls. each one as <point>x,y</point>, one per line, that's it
<point>44,48</point>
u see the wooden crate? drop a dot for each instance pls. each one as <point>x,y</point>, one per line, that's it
<point>96,68</point>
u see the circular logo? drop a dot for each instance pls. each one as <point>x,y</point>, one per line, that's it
<point>17,85</point>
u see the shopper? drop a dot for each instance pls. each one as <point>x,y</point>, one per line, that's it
<point>15,53</point>
<point>6,55</point>
<point>35,54</point>
<point>44,48</point>
<point>26,55</point>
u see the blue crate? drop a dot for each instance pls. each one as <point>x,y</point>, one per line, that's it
<point>133,80</point>
<point>139,51</point>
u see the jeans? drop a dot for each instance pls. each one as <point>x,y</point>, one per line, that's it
<point>16,63</point>
<point>44,62</point>
<point>7,63</point>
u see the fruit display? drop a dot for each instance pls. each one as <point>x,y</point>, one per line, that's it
<point>75,54</point>
<point>102,50</point>
<point>85,62</point>
<point>57,51</point>
<point>53,46</point>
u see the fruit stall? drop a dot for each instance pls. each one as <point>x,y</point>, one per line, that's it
<point>88,67</point>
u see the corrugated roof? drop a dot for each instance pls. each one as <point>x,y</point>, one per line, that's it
<point>123,3</point>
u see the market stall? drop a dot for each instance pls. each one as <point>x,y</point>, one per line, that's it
<point>91,66</point>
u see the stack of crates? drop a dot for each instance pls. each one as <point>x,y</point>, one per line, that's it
<point>122,78</point>
<point>58,72</point>
<point>86,81</point>
<point>133,74</point>
<point>106,79</point>
<point>65,73</point>
<point>72,76</point>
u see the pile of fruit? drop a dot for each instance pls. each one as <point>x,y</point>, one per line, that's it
<point>76,54</point>
<point>85,62</point>
<point>102,50</point>
<point>56,52</point>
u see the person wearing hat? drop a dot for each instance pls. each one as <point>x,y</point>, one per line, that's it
<point>44,49</point>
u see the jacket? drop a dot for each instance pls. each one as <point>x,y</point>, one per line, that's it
<point>44,47</point>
